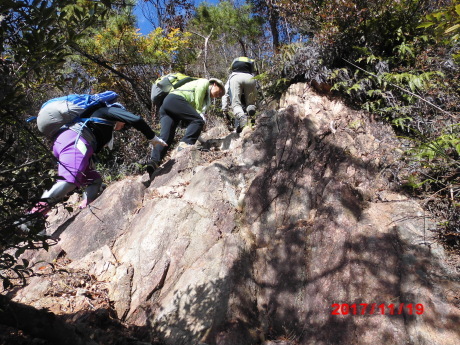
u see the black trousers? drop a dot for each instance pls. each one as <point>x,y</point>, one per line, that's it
<point>174,109</point>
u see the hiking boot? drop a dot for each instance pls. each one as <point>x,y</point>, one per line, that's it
<point>151,167</point>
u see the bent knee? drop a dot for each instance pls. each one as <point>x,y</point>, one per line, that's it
<point>199,122</point>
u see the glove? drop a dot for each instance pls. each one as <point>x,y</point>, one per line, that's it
<point>158,141</point>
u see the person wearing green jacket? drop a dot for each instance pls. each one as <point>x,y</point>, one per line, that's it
<point>188,104</point>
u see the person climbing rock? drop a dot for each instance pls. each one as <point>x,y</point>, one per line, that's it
<point>188,104</point>
<point>74,145</point>
<point>240,92</point>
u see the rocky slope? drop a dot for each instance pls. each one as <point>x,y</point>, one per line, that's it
<point>254,243</point>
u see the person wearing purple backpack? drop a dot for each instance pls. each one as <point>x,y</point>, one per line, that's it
<point>75,143</point>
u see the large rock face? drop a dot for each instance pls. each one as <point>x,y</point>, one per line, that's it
<point>254,244</point>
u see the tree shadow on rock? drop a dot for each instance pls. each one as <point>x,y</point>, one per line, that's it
<point>301,265</point>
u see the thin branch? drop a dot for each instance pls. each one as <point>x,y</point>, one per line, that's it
<point>206,39</point>
<point>20,166</point>
<point>111,69</point>
<point>102,63</point>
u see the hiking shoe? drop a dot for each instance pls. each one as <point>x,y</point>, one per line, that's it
<point>251,109</point>
<point>41,207</point>
<point>151,167</point>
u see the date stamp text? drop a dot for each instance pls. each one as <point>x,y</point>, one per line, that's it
<point>377,309</point>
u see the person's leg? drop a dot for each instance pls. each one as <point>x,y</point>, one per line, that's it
<point>250,95</point>
<point>168,130</point>
<point>56,193</point>
<point>236,93</point>
<point>180,109</point>
<point>236,85</point>
<point>94,183</point>
<point>73,159</point>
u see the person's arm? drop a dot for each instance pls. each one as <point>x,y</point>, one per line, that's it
<point>226,97</point>
<point>118,114</point>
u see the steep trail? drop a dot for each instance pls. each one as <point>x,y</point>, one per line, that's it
<point>256,242</point>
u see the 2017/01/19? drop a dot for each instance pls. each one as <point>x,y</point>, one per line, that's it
<point>373,308</point>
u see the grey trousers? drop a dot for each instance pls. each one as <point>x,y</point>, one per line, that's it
<point>242,85</point>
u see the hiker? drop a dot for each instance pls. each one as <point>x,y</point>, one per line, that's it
<point>240,92</point>
<point>74,145</point>
<point>188,103</point>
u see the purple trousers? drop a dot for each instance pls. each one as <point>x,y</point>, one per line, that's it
<point>74,159</point>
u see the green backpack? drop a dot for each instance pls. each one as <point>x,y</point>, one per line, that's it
<point>163,85</point>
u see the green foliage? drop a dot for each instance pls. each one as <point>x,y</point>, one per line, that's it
<point>445,148</point>
<point>413,182</point>
<point>35,36</point>
<point>222,32</point>
<point>445,23</point>
<point>375,55</point>
<point>444,26</point>
<point>272,88</point>
<point>414,82</point>
<point>344,25</point>
<point>120,44</point>
<point>234,23</point>
<point>392,95</point>
<point>34,44</point>
<point>294,62</point>
<point>113,55</point>
<point>123,60</point>
<point>439,164</point>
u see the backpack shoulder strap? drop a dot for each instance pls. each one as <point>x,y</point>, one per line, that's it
<point>184,81</point>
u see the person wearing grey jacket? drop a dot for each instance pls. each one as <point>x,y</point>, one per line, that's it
<point>240,92</point>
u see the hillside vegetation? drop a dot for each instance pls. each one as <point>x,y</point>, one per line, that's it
<point>396,59</point>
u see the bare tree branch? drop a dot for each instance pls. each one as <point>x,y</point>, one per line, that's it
<point>206,40</point>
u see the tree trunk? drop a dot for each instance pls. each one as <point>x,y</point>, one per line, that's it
<point>273,20</point>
